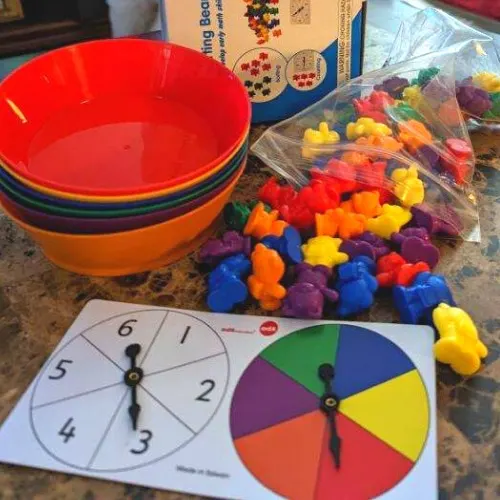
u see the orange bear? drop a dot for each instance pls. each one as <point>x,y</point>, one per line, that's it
<point>263,284</point>
<point>414,134</point>
<point>337,221</point>
<point>366,203</point>
<point>260,223</point>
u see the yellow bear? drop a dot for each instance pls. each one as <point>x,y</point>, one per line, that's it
<point>487,81</point>
<point>391,220</point>
<point>324,250</point>
<point>459,345</point>
<point>365,127</point>
<point>318,137</point>
<point>408,187</point>
<point>413,96</point>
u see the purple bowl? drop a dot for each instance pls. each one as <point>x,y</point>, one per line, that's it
<point>75,225</point>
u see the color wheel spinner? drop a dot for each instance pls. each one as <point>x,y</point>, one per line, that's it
<point>284,438</point>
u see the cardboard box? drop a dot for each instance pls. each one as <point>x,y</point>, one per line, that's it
<point>10,10</point>
<point>288,53</point>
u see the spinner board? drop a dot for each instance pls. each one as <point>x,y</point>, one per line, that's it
<point>234,406</point>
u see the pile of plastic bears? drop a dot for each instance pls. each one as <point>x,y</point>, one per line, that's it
<point>263,19</point>
<point>310,254</point>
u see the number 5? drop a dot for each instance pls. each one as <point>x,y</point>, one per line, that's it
<point>59,367</point>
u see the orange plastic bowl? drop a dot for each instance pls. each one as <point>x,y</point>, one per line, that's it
<point>131,251</point>
<point>120,117</point>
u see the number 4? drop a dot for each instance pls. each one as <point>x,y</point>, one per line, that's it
<point>67,433</point>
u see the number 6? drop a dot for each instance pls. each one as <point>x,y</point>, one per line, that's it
<point>125,330</point>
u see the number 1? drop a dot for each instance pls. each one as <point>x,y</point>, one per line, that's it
<point>185,334</point>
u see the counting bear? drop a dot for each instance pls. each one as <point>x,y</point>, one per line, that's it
<point>306,297</point>
<point>356,286</point>
<point>459,345</point>
<point>268,269</point>
<point>226,287</point>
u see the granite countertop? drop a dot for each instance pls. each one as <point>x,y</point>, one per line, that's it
<point>38,302</point>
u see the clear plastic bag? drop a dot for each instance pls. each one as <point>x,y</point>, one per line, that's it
<point>477,62</point>
<point>381,122</point>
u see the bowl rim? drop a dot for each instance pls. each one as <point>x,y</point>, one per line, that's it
<point>129,198</point>
<point>102,214</point>
<point>65,219</point>
<point>60,190</point>
<point>55,236</point>
<point>110,210</point>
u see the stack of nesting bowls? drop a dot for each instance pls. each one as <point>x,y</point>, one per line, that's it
<point>117,156</point>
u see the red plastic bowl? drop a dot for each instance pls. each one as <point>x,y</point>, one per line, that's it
<point>118,117</point>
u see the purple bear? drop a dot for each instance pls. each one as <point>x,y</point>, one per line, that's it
<point>394,86</point>
<point>231,243</point>
<point>306,297</point>
<point>472,99</point>
<point>437,219</point>
<point>409,232</point>
<point>380,248</point>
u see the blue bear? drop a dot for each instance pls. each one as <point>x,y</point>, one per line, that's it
<point>288,245</point>
<point>416,302</point>
<point>225,286</point>
<point>356,285</point>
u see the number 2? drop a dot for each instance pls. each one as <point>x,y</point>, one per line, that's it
<point>144,441</point>
<point>62,371</point>
<point>125,330</point>
<point>203,396</point>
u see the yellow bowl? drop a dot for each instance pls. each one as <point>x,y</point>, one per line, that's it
<point>134,251</point>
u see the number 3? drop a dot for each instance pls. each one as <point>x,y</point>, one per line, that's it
<point>145,443</point>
